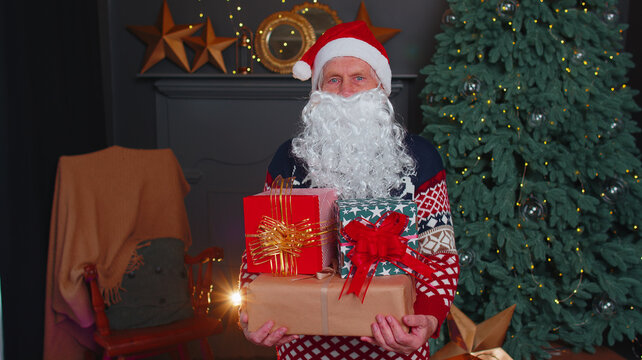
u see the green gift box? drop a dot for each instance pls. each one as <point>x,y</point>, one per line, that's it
<point>372,210</point>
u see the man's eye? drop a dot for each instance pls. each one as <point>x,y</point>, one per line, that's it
<point>333,81</point>
<point>360,78</point>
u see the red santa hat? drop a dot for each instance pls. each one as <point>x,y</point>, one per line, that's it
<point>346,39</point>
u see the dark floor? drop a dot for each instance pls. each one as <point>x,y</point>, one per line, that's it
<point>620,351</point>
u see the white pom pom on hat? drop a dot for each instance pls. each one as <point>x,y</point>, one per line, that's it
<point>345,39</point>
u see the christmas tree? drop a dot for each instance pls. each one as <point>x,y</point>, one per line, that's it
<point>528,104</point>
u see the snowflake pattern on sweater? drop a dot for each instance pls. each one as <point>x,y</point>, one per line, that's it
<point>428,189</point>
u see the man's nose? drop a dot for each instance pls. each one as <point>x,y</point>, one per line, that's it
<point>347,89</point>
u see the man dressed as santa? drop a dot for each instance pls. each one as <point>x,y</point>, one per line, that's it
<point>351,142</point>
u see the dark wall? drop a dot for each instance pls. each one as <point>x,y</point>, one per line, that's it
<point>634,46</point>
<point>131,97</point>
<point>4,161</point>
<point>50,105</point>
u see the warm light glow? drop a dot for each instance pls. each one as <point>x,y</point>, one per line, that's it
<point>235,298</point>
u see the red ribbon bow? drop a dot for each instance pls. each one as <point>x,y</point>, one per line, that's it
<point>381,241</point>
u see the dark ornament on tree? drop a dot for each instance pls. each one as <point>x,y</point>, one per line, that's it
<point>578,56</point>
<point>448,18</point>
<point>466,258</point>
<point>507,8</point>
<point>614,190</point>
<point>471,86</point>
<point>604,306</point>
<point>614,128</point>
<point>500,96</point>
<point>431,99</point>
<point>532,209</point>
<point>611,16</point>
<point>536,118</point>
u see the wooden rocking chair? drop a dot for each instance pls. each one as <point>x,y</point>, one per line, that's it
<point>172,337</point>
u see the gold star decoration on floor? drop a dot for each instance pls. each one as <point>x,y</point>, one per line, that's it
<point>209,48</point>
<point>381,33</point>
<point>482,340</point>
<point>164,39</point>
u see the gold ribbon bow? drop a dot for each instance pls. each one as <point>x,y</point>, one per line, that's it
<point>280,242</point>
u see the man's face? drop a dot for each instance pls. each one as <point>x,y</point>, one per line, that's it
<point>347,76</point>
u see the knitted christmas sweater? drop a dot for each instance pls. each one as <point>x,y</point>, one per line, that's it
<point>428,189</point>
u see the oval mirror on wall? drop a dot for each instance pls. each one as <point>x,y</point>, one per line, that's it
<point>281,39</point>
<point>320,16</point>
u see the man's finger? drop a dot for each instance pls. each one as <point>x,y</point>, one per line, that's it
<point>386,332</point>
<point>274,336</point>
<point>415,320</point>
<point>379,340</point>
<point>398,332</point>
<point>286,339</point>
<point>369,340</point>
<point>424,323</point>
<point>243,318</point>
<point>261,333</point>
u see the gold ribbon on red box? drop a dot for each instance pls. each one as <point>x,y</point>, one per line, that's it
<point>278,240</point>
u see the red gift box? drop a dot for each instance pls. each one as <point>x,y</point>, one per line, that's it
<point>312,209</point>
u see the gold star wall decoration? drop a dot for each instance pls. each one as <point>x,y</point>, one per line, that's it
<point>164,39</point>
<point>479,340</point>
<point>381,33</point>
<point>209,48</point>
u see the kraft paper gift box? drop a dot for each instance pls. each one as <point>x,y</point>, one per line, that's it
<point>312,209</point>
<point>371,210</point>
<point>309,306</point>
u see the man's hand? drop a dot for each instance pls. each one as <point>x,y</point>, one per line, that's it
<point>265,335</point>
<point>389,334</point>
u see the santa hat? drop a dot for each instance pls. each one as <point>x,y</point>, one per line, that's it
<point>346,39</point>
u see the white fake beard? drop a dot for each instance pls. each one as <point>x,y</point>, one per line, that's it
<point>353,145</point>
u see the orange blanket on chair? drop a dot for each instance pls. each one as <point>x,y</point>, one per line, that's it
<point>105,203</point>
